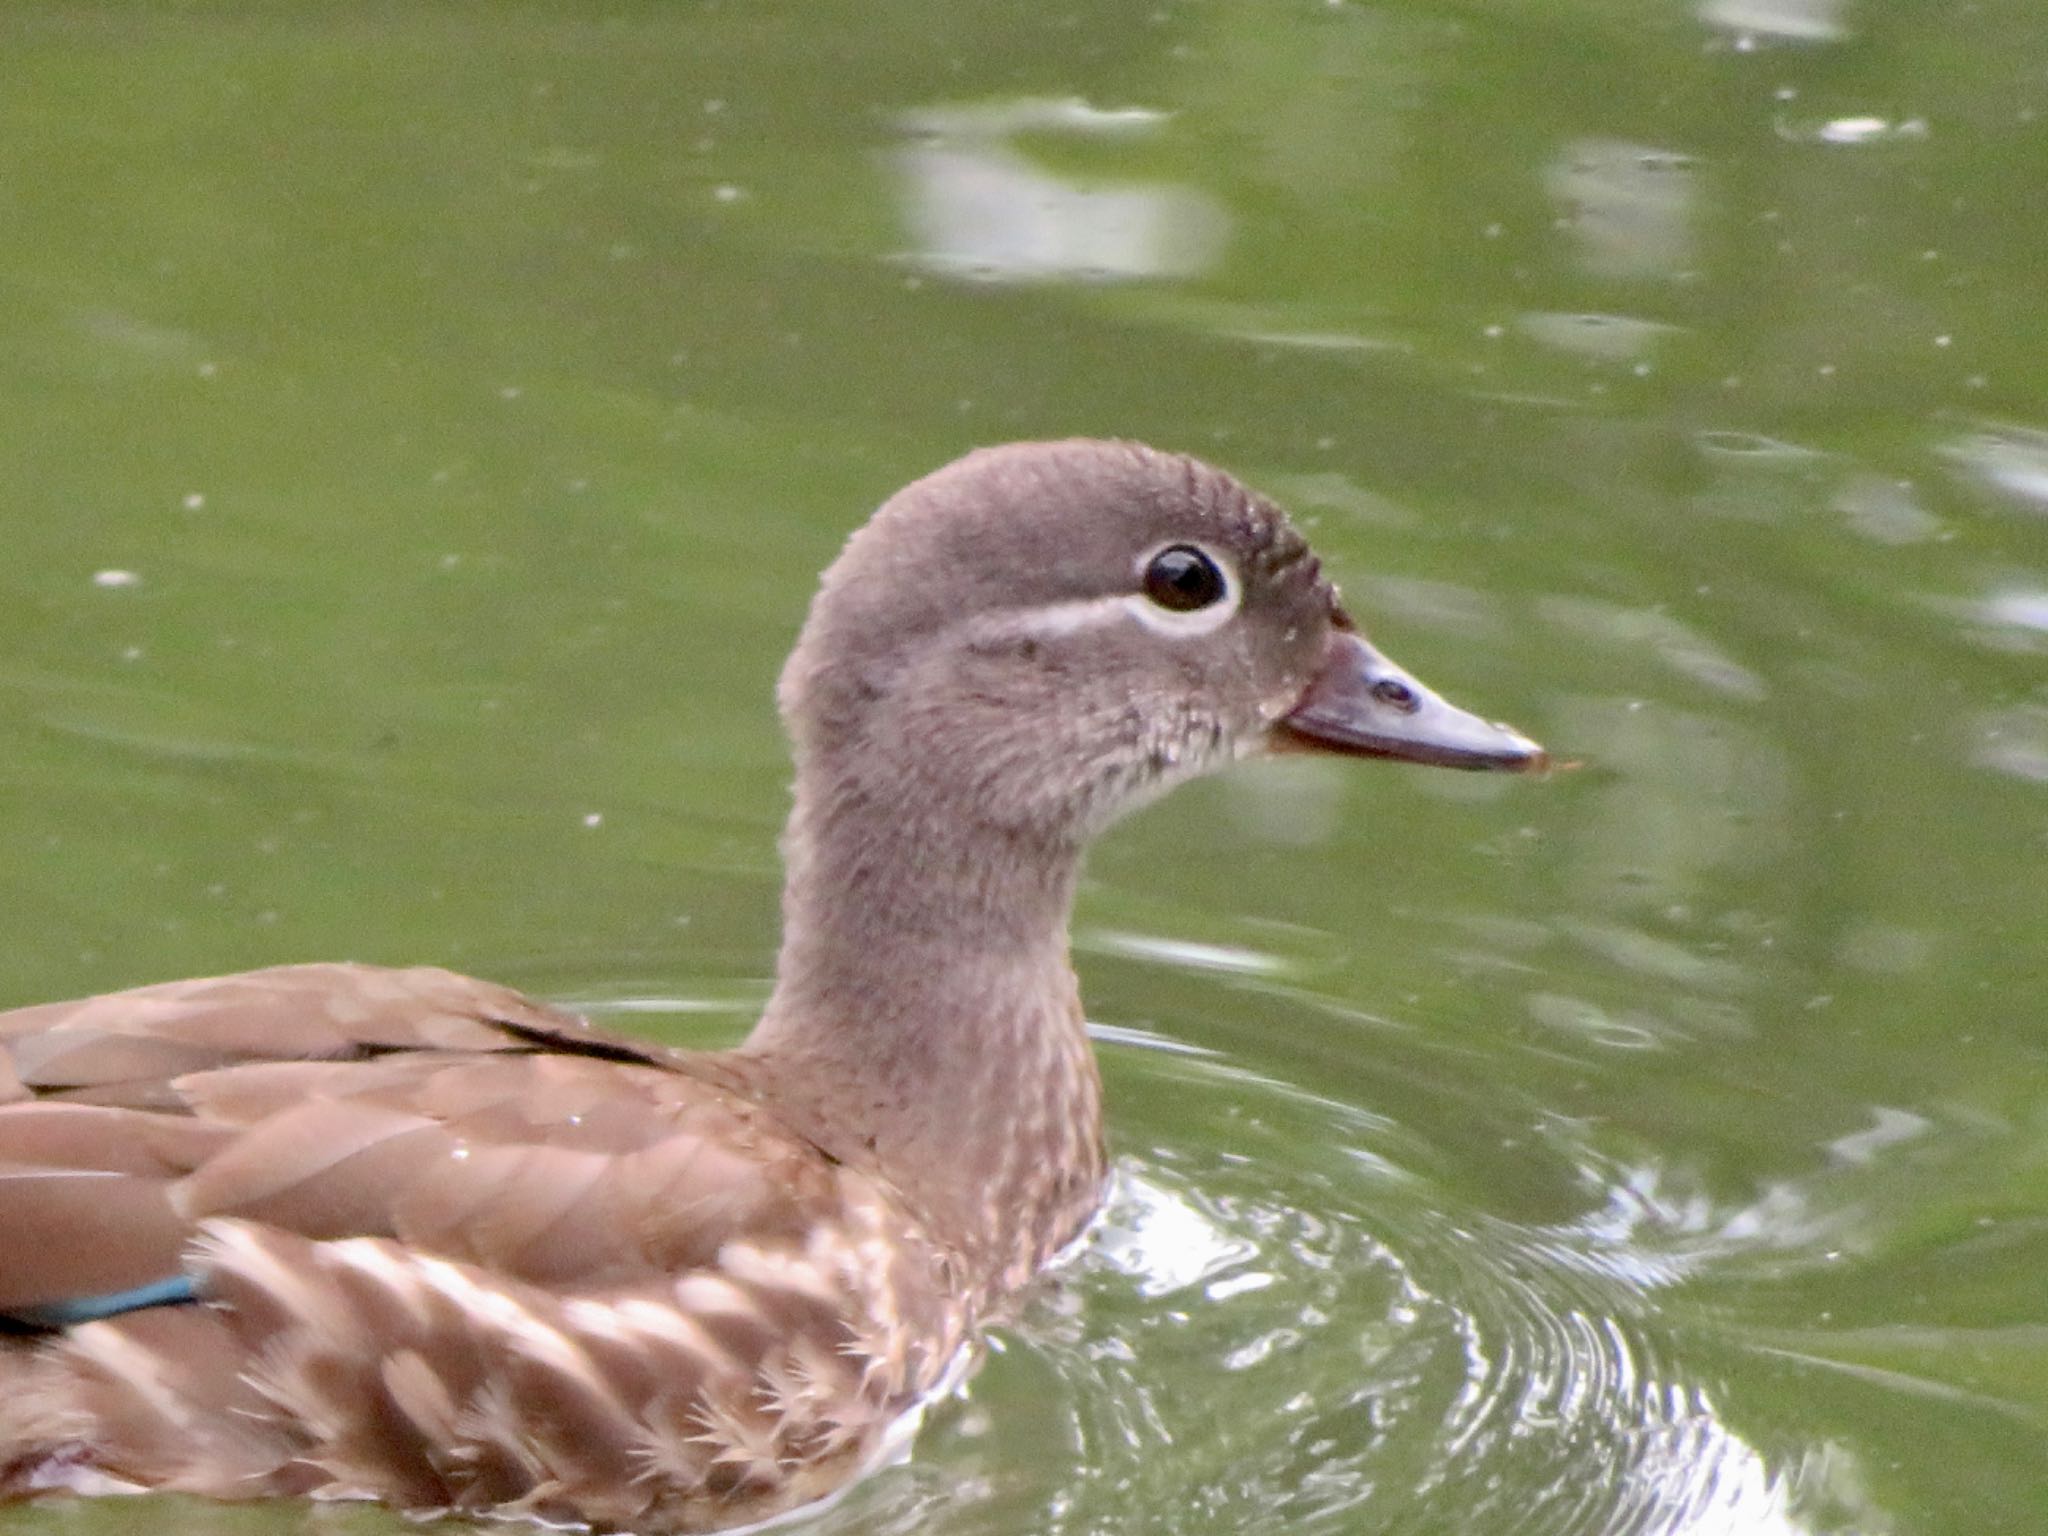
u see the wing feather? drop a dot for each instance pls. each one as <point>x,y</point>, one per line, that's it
<point>463,1253</point>
<point>336,1101</point>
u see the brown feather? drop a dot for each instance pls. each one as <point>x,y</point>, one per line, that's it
<point>81,1232</point>
<point>482,1260</point>
<point>114,1140</point>
<point>324,1168</point>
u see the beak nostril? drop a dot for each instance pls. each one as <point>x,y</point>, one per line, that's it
<point>1397,694</point>
<point>1360,703</point>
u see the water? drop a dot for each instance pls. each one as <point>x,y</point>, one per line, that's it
<point>425,425</point>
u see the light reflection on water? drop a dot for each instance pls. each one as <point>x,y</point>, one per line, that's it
<point>1630,206</point>
<point>2009,458</point>
<point>1388,1355</point>
<point>1791,21</point>
<point>2013,742</point>
<point>980,209</point>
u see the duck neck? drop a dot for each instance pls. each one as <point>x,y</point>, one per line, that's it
<point>926,1006</point>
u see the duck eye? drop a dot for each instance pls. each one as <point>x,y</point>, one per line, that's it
<point>1181,579</point>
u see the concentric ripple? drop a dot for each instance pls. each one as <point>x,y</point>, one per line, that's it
<point>1296,1332</point>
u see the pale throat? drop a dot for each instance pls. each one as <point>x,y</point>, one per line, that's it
<point>916,904</point>
<point>925,995</point>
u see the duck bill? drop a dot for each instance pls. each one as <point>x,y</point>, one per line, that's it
<point>1360,703</point>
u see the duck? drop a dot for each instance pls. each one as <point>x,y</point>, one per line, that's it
<point>341,1231</point>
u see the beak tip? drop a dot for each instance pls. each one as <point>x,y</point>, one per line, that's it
<point>1360,703</point>
<point>1526,756</point>
<point>1511,752</point>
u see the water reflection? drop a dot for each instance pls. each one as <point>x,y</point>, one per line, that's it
<point>1752,447</point>
<point>2008,458</point>
<point>2013,742</point>
<point>2012,617</point>
<point>1167,1244</point>
<point>1790,21</point>
<point>1630,206</point>
<point>979,208</point>
<point>1693,793</point>
<point>1669,639</point>
<point>1603,338</point>
<point>1389,1353</point>
<point>2019,608</point>
<point>1888,1127</point>
<point>1852,131</point>
<point>1185,954</point>
<point>1885,511</point>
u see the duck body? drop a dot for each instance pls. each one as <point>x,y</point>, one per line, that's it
<point>337,1231</point>
<point>456,1251</point>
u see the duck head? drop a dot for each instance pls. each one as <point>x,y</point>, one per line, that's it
<point>1039,637</point>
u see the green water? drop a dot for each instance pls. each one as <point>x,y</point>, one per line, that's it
<point>423,424</point>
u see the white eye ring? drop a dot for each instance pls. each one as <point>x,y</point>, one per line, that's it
<point>1182,622</point>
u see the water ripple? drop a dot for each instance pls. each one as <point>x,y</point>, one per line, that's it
<point>1283,1336</point>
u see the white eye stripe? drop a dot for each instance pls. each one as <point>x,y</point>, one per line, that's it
<point>1056,619</point>
<point>1081,614</point>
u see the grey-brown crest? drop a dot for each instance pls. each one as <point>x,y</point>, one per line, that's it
<point>346,1232</point>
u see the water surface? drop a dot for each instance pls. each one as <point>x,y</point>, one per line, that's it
<point>425,425</point>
